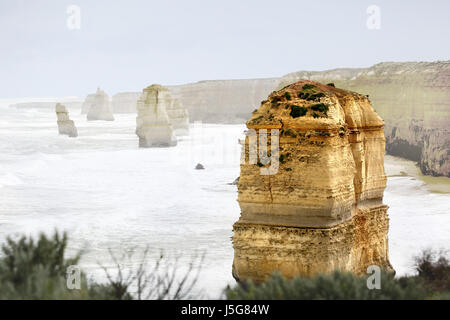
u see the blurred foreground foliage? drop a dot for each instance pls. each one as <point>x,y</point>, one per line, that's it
<point>431,282</point>
<point>37,269</point>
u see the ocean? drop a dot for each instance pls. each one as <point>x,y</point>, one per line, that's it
<point>110,195</point>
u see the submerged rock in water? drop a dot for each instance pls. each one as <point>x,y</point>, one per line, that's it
<point>322,208</point>
<point>199,166</point>
<point>100,108</point>
<point>65,125</point>
<point>153,126</point>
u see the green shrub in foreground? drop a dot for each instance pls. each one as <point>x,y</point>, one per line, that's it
<point>335,286</point>
<point>32,269</point>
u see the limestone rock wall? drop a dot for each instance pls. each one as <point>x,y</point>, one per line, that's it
<point>125,102</point>
<point>323,209</point>
<point>65,125</point>
<point>153,126</point>
<point>100,107</point>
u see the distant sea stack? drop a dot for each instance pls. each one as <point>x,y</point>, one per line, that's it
<point>125,102</point>
<point>65,125</point>
<point>153,125</point>
<point>323,209</point>
<point>100,107</point>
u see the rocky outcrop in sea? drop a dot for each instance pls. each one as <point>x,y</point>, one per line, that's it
<point>99,107</point>
<point>65,125</point>
<point>153,126</point>
<point>322,207</point>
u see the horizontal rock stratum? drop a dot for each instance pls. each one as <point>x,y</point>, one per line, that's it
<point>323,209</point>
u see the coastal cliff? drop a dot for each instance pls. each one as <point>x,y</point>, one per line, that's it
<point>412,97</point>
<point>223,101</point>
<point>414,100</point>
<point>322,210</point>
<point>65,125</point>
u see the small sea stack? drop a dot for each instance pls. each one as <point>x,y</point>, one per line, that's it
<point>65,125</point>
<point>100,107</point>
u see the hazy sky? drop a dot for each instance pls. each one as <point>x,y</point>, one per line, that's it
<point>125,45</point>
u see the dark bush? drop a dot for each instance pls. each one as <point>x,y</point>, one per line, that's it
<point>308,86</point>
<point>434,269</point>
<point>287,95</point>
<point>315,96</point>
<point>303,95</point>
<point>36,270</point>
<point>335,286</point>
<point>298,111</point>
<point>32,269</point>
<point>276,99</point>
<point>321,107</point>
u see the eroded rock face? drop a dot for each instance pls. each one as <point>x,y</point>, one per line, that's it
<point>65,125</point>
<point>414,100</point>
<point>153,126</point>
<point>125,102</point>
<point>100,108</point>
<point>323,209</point>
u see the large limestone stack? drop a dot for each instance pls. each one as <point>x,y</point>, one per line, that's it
<point>153,125</point>
<point>125,102</point>
<point>178,117</point>
<point>65,125</point>
<point>323,209</point>
<point>414,100</point>
<point>100,108</point>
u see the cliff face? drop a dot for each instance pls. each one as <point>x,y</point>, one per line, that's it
<point>88,101</point>
<point>125,102</point>
<point>414,100</point>
<point>322,210</point>
<point>153,126</point>
<point>223,101</point>
<point>65,125</point>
